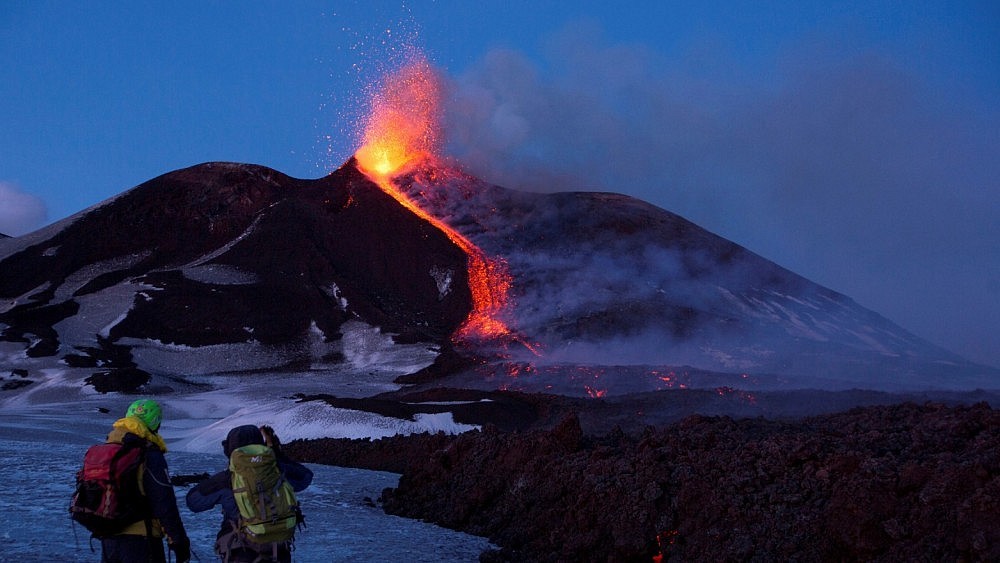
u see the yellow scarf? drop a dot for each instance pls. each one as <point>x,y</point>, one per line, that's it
<point>138,427</point>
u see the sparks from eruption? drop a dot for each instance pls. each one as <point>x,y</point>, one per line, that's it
<point>401,131</point>
<point>401,128</point>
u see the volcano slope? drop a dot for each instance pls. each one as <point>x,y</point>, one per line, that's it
<point>229,259</point>
<point>603,279</point>
<point>232,267</point>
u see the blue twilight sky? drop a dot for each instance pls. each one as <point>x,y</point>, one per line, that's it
<point>856,143</point>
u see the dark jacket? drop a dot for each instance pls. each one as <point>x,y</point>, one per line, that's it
<point>217,489</point>
<point>159,491</point>
<point>165,518</point>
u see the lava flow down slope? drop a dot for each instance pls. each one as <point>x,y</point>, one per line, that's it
<point>399,258</point>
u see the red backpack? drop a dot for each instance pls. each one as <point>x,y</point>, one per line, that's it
<point>108,497</point>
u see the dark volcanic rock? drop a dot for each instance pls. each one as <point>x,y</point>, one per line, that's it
<point>12,384</point>
<point>186,480</point>
<point>121,380</point>
<point>894,483</point>
<point>18,379</point>
<point>394,453</point>
<point>448,361</point>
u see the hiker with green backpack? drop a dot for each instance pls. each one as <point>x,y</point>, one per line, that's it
<point>257,495</point>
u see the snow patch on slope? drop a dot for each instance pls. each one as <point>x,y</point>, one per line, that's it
<point>366,346</point>
<point>220,274</point>
<point>162,357</point>
<point>308,421</point>
<point>23,298</point>
<point>225,248</point>
<point>51,386</point>
<point>99,313</point>
<point>333,292</point>
<point>84,275</point>
<point>442,278</point>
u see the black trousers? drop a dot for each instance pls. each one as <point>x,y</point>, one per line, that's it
<point>251,556</point>
<point>129,548</point>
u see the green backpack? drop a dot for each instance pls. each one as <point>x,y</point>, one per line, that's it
<point>268,509</point>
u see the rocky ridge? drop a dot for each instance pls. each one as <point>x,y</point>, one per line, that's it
<point>906,482</point>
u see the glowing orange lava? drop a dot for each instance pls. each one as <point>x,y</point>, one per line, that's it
<point>402,125</point>
<point>402,131</point>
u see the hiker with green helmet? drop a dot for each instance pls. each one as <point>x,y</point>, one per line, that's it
<point>143,540</point>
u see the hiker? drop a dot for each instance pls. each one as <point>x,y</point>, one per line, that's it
<point>232,544</point>
<point>142,540</point>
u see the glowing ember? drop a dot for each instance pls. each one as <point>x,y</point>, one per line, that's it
<point>402,131</point>
<point>402,127</point>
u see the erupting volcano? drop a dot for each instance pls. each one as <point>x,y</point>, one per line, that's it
<point>228,267</point>
<point>401,132</point>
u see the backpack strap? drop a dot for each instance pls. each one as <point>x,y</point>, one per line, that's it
<point>154,543</point>
<point>230,539</point>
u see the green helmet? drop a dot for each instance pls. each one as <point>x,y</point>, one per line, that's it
<point>148,411</point>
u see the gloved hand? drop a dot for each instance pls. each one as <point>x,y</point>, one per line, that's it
<point>271,439</point>
<point>182,550</point>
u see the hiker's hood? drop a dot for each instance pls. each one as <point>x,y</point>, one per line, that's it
<point>132,425</point>
<point>242,436</point>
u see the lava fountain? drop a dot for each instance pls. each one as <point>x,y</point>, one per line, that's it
<point>401,132</point>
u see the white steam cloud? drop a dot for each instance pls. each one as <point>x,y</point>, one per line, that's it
<point>20,212</point>
<point>842,167</point>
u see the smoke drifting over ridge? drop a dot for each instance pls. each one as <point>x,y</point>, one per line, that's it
<point>842,168</point>
<point>20,212</point>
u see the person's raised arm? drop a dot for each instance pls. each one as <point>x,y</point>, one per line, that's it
<point>208,493</point>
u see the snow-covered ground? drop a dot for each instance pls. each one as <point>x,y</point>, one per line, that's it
<point>45,432</point>
<point>341,525</point>
<point>200,410</point>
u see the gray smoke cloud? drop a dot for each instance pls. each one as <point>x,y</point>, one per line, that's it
<point>20,212</point>
<point>842,167</point>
